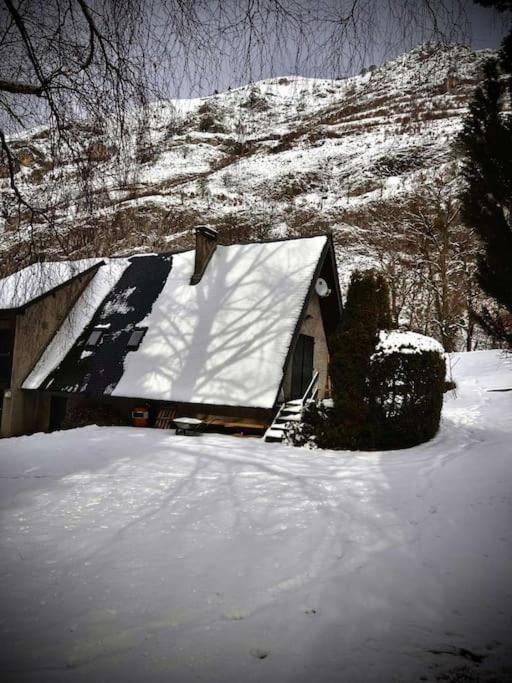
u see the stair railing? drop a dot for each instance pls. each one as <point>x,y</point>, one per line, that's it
<point>310,394</point>
<point>312,390</point>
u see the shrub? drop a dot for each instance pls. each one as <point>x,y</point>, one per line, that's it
<point>255,101</point>
<point>405,386</point>
<point>309,431</point>
<point>237,147</point>
<point>210,119</point>
<point>398,164</point>
<point>206,124</point>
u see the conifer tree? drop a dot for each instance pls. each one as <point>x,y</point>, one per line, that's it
<point>366,312</point>
<point>487,197</point>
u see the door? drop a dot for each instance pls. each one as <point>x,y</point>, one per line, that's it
<point>302,365</point>
<point>57,412</point>
<point>6,348</point>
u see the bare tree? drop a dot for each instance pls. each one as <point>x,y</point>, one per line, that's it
<point>447,256</point>
<point>429,257</point>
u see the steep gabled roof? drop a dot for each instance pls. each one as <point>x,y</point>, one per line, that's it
<point>33,282</point>
<point>224,341</point>
<point>77,321</point>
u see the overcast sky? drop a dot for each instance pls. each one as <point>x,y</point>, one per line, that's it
<point>487,28</point>
<point>221,47</point>
<point>383,39</point>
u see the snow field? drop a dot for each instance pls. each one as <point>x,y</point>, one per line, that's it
<point>136,555</point>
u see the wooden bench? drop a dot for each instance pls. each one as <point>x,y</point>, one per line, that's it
<point>234,423</point>
<point>167,415</point>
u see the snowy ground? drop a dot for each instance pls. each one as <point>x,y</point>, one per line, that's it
<point>134,555</point>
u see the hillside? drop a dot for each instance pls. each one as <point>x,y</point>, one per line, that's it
<point>279,157</point>
<point>274,152</point>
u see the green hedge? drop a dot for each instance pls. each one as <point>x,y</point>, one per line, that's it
<point>406,397</point>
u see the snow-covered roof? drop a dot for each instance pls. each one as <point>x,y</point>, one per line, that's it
<point>19,289</point>
<point>80,316</point>
<point>223,341</point>
<point>394,341</point>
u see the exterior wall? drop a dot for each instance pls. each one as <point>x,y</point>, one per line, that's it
<point>25,411</point>
<point>109,410</point>
<point>313,326</point>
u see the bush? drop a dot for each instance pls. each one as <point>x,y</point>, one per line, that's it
<point>206,124</point>
<point>406,390</point>
<point>314,430</point>
<point>210,119</point>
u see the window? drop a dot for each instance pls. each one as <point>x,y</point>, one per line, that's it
<point>136,337</point>
<point>94,338</point>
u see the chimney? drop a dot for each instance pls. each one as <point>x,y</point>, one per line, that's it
<point>206,243</point>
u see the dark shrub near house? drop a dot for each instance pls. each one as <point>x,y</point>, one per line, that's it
<point>406,386</point>
<point>314,430</point>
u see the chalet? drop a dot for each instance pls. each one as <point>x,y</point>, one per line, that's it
<point>227,334</point>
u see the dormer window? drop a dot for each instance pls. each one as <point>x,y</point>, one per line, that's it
<point>136,337</point>
<point>94,338</point>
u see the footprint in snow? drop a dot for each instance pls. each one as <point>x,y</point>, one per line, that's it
<point>259,653</point>
<point>234,615</point>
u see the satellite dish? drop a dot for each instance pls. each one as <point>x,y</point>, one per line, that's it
<point>322,288</point>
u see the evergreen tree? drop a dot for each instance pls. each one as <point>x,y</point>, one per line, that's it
<point>487,197</point>
<point>367,310</point>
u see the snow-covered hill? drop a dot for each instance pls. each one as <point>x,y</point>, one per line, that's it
<point>137,555</point>
<point>282,156</point>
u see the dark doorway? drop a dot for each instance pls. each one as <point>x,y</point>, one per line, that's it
<point>6,347</point>
<point>57,412</point>
<point>302,365</point>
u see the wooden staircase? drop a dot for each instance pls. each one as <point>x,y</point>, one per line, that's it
<point>290,411</point>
